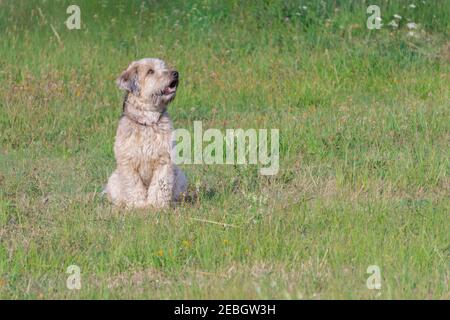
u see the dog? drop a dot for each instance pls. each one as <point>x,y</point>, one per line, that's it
<point>146,175</point>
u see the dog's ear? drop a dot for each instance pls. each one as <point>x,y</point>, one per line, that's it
<point>128,80</point>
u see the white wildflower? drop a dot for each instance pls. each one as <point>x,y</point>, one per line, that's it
<point>393,24</point>
<point>411,25</point>
<point>412,5</point>
<point>396,16</point>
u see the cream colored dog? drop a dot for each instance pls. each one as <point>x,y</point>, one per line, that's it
<point>146,175</point>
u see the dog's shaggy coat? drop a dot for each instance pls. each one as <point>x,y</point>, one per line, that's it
<point>146,175</point>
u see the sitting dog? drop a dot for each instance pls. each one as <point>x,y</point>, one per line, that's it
<point>146,175</point>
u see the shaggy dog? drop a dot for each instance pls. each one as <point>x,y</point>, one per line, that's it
<point>146,175</point>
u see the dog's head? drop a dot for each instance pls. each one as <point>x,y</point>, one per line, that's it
<point>150,79</point>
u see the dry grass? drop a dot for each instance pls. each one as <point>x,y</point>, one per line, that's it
<point>364,128</point>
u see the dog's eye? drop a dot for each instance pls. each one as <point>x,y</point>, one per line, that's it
<point>150,71</point>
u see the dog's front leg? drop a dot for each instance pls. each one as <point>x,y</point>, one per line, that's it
<point>135,193</point>
<point>160,190</point>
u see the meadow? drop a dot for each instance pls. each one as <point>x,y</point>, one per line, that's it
<point>364,123</point>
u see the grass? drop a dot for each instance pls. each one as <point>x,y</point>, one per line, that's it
<point>364,128</point>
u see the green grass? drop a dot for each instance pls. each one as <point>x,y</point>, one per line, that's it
<point>364,127</point>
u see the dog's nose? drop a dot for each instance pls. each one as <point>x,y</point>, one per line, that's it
<point>175,74</point>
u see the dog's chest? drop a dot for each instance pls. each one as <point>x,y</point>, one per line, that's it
<point>153,149</point>
<point>144,147</point>
<point>151,143</point>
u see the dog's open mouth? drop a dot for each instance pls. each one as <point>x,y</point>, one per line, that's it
<point>171,88</point>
